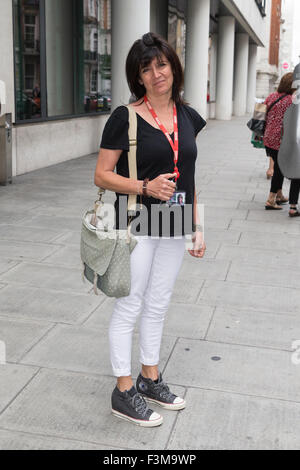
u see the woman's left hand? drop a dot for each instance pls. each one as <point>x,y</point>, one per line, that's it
<point>199,245</point>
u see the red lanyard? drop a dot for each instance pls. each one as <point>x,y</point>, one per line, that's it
<point>175,144</point>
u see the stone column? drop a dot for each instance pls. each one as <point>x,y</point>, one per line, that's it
<point>251,92</point>
<point>196,66</point>
<point>130,20</point>
<point>213,75</point>
<point>225,67</point>
<point>241,74</point>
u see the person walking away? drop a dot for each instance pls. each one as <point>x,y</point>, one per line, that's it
<point>273,134</point>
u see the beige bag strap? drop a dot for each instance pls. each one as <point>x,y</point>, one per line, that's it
<point>132,134</point>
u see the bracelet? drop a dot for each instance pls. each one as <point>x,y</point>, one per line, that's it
<point>197,228</point>
<point>145,183</point>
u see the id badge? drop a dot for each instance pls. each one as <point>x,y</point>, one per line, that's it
<point>178,199</point>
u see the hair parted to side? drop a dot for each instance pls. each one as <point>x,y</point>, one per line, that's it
<point>285,85</point>
<point>142,53</point>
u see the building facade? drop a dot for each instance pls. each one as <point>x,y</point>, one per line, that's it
<point>282,50</point>
<point>63,64</point>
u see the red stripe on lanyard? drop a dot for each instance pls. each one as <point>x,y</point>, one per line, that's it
<point>175,144</point>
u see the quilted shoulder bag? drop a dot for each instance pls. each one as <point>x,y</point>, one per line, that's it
<point>105,252</point>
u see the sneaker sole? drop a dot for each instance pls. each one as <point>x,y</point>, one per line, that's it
<point>139,422</point>
<point>167,406</point>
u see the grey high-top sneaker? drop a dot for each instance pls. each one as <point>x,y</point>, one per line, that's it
<point>159,393</point>
<point>130,405</point>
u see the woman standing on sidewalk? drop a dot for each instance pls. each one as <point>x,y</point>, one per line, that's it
<point>166,132</point>
<point>273,134</point>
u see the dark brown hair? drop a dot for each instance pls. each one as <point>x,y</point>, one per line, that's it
<point>142,53</point>
<point>285,85</point>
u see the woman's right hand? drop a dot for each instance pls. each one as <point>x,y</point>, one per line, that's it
<point>161,187</point>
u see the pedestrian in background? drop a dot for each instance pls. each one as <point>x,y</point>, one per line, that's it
<point>294,198</point>
<point>166,132</point>
<point>273,135</point>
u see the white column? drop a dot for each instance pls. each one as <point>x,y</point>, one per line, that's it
<point>130,20</point>
<point>196,66</point>
<point>241,74</point>
<point>213,75</point>
<point>251,77</point>
<point>225,67</point>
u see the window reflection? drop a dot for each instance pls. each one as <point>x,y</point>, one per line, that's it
<point>97,55</point>
<point>27,57</point>
<point>76,54</point>
<point>177,27</point>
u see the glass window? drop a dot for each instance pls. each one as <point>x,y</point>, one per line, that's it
<point>75,75</point>
<point>177,27</point>
<point>27,58</point>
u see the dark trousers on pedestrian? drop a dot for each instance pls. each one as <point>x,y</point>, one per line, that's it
<point>277,180</point>
<point>294,192</point>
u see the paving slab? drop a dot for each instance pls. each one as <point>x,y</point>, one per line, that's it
<point>241,369</point>
<point>254,328</point>
<point>15,377</point>
<point>218,194</point>
<point>216,223</point>
<point>218,203</point>
<point>186,290</point>
<point>9,216</point>
<point>6,265</point>
<point>101,316</point>
<point>287,226</point>
<point>67,210</point>
<point>260,256</point>
<point>265,275</point>
<point>14,440</point>
<point>224,236</point>
<point>68,238</point>
<point>20,336</point>
<point>83,349</point>
<point>45,305</point>
<point>52,277</point>
<point>49,222</point>
<point>204,269</point>
<point>281,242</point>
<point>68,256</point>
<point>78,407</point>
<point>251,297</point>
<point>187,321</point>
<point>215,420</point>
<point>18,250</point>
<point>262,215</point>
<point>29,234</point>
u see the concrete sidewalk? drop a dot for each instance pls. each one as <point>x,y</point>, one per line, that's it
<point>228,338</point>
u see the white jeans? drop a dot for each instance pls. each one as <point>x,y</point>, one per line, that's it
<point>155,264</point>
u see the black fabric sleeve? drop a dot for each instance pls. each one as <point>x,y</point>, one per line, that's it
<point>197,120</point>
<point>115,133</point>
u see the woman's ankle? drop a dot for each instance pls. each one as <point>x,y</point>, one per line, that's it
<point>150,372</point>
<point>271,198</point>
<point>124,383</point>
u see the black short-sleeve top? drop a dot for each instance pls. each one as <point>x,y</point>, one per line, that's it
<point>155,155</point>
